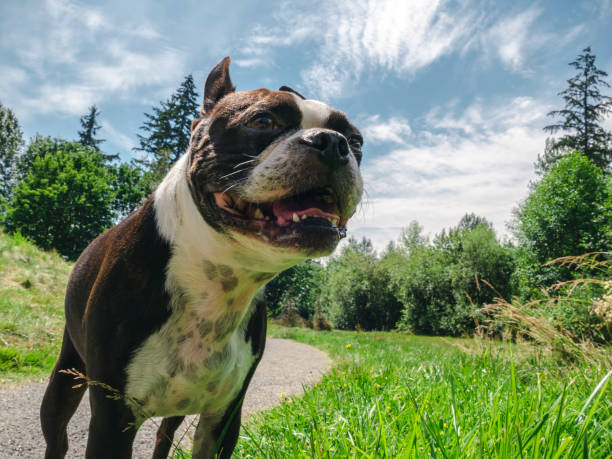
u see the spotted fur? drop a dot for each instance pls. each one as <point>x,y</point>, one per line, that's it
<point>167,307</point>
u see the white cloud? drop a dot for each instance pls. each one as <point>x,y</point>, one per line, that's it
<point>74,56</point>
<point>515,39</point>
<point>253,62</point>
<point>384,34</point>
<point>352,36</point>
<point>125,69</point>
<point>479,160</point>
<point>396,130</point>
<point>510,37</point>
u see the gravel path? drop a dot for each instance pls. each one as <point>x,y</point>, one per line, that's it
<point>285,366</point>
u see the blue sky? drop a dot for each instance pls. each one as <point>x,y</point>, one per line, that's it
<point>451,96</point>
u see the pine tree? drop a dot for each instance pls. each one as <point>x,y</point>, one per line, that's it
<point>11,141</point>
<point>166,131</point>
<point>90,126</point>
<point>585,107</point>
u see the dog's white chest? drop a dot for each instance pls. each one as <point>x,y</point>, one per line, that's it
<point>182,369</point>
<point>198,360</point>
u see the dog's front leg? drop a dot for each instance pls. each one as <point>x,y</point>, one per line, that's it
<point>217,438</point>
<point>112,427</point>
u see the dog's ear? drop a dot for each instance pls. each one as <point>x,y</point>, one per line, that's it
<point>288,89</point>
<point>218,85</point>
<point>195,123</point>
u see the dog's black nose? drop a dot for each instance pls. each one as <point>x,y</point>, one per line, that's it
<point>332,148</point>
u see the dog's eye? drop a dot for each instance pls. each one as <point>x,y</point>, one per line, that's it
<point>262,122</point>
<point>356,142</point>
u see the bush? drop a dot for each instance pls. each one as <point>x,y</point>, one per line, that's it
<point>442,285</point>
<point>568,213</point>
<point>357,291</point>
<point>63,200</point>
<point>295,290</point>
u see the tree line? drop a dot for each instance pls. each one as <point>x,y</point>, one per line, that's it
<point>62,193</point>
<point>439,286</point>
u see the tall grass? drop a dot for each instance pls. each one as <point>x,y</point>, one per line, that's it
<point>394,395</point>
<point>32,284</point>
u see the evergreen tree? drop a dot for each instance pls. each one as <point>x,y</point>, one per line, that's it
<point>11,141</point>
<point>90,126</point>
<point>585,107</point>
<point>166,131</point>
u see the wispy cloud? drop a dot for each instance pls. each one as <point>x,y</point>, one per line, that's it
<point>395,130</point>
<point>352,36</point>
<point>515,39</point>
<point>478,160</point>
<point>510,36</point>
<point>59,50</point>
<point>601,7</point>
<point>388,35</point>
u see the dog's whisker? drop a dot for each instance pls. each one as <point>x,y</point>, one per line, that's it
<point>245,162</point>
<point>232,173</point>
<point>231,186</point>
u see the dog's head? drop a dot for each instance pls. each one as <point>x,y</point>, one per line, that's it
<point>274,167</point>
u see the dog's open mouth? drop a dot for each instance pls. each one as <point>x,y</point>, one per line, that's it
<point>315,209</point>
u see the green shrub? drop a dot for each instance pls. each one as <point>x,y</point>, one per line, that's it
<point>567,213</point>
<point>357,292</point>
<point>64,199</point>
<point>442,285</point>
<point>295,290</point>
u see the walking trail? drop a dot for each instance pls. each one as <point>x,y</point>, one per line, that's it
<point>284,368</point>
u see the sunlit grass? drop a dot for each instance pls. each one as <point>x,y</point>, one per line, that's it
<point>393,395</point>
<point>32,284</point>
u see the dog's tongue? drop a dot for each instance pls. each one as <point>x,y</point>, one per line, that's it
<point>285,209</point>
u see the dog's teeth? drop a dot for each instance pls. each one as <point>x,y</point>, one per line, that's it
<point>258,214</point>
<point>304,217</point>
<point>295,217</point>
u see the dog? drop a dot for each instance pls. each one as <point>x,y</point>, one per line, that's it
<point>167,307</point>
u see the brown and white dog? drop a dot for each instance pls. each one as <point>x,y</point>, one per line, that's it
<point>164,307</point>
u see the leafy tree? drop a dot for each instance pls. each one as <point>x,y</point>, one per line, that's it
<point>441,285</point>
<point>11,141</point>
<point>566,214</point>
<point>129,188</point>
<point>65,198</point>
<point>296,289</point>
<point>357,291</point>
<point>412,237</point>
<point>471,221</point>
<point>585,107</point>
<point>165,133</point>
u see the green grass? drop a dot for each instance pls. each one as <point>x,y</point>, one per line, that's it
<point>389,394</point>
<point>32,284</point>
<point>401,396</point>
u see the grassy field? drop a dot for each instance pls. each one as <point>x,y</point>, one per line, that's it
<point>400,396</point>
<point>32,284</point>
<point>389,394</point>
